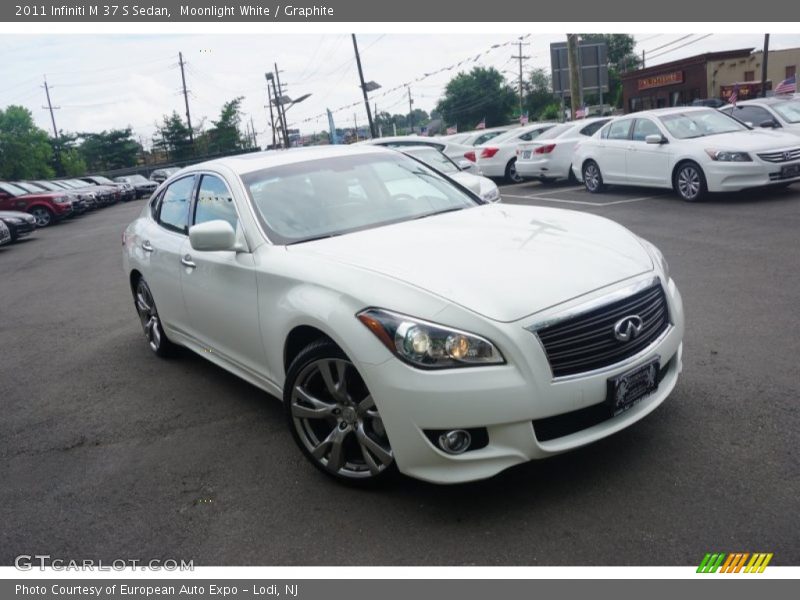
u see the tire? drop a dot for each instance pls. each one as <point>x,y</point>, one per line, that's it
<point>592,177</point>
<point>158,341</point>
<point>511,172</point>
<point>571,179</point>
<point>43,215</point>
<point>689,182</point>
<point>333,418</point>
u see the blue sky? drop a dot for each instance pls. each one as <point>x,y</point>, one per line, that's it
<point>102,82</point>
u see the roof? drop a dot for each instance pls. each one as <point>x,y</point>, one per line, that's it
<point>255,161</point>
<point>670,110</point>
<point>690,60</point>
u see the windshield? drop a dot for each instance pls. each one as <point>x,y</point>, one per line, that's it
<point>700,123</point>
<point>485,137</point>
<point>104,180</point>
<point>12,189</point>
<point>76,183</point>
<point>789,110</point>
<point>50,186</point>
<point>136,179</point>
<point>435,159</point>
<point>28,187</point>
<point>556,131</point>
<point>322,198</point>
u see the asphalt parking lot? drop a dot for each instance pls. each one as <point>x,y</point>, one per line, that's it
<point>107,452</point>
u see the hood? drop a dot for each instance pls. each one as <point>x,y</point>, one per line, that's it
<point>502,261</point>
<point>17,215</point>
<point>756,140</point>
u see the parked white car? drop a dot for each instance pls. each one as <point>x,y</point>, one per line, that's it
<point>549,157</point>
<point>498,156</point>
<point>453,150</point>
<point>405,325</point>
<point>481,186</point>
<point>777,112</point>
<point>691,150</point>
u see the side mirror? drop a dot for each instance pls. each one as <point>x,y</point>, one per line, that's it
<point>465,165</point>
<point>212,236</point>
<point>655,138</point>
<point>769,123</point>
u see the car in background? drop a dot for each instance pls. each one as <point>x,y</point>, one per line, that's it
<point>93,199</point>
<point>692,150</point>
<point>79,206</point>
<point>5,234</point>
<point>708,102</point>
<point>453,150</point>
<point>109,194</point>
<point>46,207</point>
<point>161,175</point>
<point>126,190</point>
<point>19,223</point>
<point>548,158</point>
<point>405,324</point>
<point>483,187</point>
<point>143,186</point>
<point>498,157</point>
<point>481,136</point>
<point>775,112</point>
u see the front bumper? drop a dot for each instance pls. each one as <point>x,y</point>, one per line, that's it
<point>736,176</point>
<point>506,400</point>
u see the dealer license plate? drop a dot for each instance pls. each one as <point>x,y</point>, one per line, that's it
<point>526,154</point>
<point>790,170</point>
<point>627,389</point>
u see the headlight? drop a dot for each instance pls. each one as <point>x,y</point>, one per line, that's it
<point>491,196</point>
<point>657,256</point>
<point>61,199</point>
<point>428,345</point>
<point>727,156</point>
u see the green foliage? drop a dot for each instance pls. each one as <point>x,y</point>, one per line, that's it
<point>224,136</point>
<point>621,58</point>
<point>481,93</point>
<point>25,152</point>
<point>172,138</point>
<point>538,94</point>
<point>107,150</point>
<point>72,163</point>
<point>551,112</point>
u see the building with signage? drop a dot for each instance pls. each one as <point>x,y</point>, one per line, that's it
<point>705,76</point>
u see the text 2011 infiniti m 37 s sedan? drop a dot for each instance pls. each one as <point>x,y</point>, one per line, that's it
<point>406,324</point>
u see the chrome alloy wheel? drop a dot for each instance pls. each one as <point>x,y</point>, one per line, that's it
<point>591,177</point>
<point>148,314</point>
<point>689,182</point>
<point>337,421</point>
<point>42,216</point>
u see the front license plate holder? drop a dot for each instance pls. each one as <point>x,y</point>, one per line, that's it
<point>627,389</point>
<point>788,171</point>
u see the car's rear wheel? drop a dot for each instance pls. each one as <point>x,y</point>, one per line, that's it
<point>592,177</point>
<point>511,172</point>
<point>151,323</point>
<point>43,216</point>
<point>333,417</point>
<point>690,182</point>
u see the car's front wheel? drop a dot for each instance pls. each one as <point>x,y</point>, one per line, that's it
<point>43,216</point>
<point>333,417</point>
<point>151,322</point>
<point>690,182</point>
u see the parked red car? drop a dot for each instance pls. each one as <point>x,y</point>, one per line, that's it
<point>46,207</point>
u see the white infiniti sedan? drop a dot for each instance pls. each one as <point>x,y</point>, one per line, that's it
<point>692,150</point>
<point>406,324</point>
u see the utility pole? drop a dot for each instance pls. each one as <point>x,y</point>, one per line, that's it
<point>186,98</point>
<point>764,61</point>
<point>268,77</point>
<point>281,109</point>
<point>410,111</point>
<point>355,124</point>
<point>372,131</point>
<point>253,129</point>
<point>643,57</point>
<point>574,75</point>
<point>51,108</point>
<point>520,57</point>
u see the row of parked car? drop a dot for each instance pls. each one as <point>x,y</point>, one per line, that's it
<point>28,205</point>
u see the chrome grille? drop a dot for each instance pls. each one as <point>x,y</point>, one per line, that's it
<point>781,156</point>
<point>586,341</point>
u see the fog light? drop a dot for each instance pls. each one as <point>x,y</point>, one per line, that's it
<point>455,441</point>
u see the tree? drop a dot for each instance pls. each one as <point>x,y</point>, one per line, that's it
<point>172,138</point>
<point>224,136</point>
<point>107,150</point>
<point>538,93</point>
<point>25,152</point>
<point>471,97</point>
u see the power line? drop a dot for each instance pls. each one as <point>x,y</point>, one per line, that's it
<point>669,43</point>
<point>682,46</point>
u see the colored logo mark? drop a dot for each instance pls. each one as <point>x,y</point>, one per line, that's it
<point>735,562</point>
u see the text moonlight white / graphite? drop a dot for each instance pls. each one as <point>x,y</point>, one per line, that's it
<point>221,11</point>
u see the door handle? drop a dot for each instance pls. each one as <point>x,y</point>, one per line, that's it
<point>186,261</point>
<point>147,246</point>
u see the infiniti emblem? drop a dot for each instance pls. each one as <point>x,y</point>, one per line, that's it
<point>787,156</point>
<point>628,328</point>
